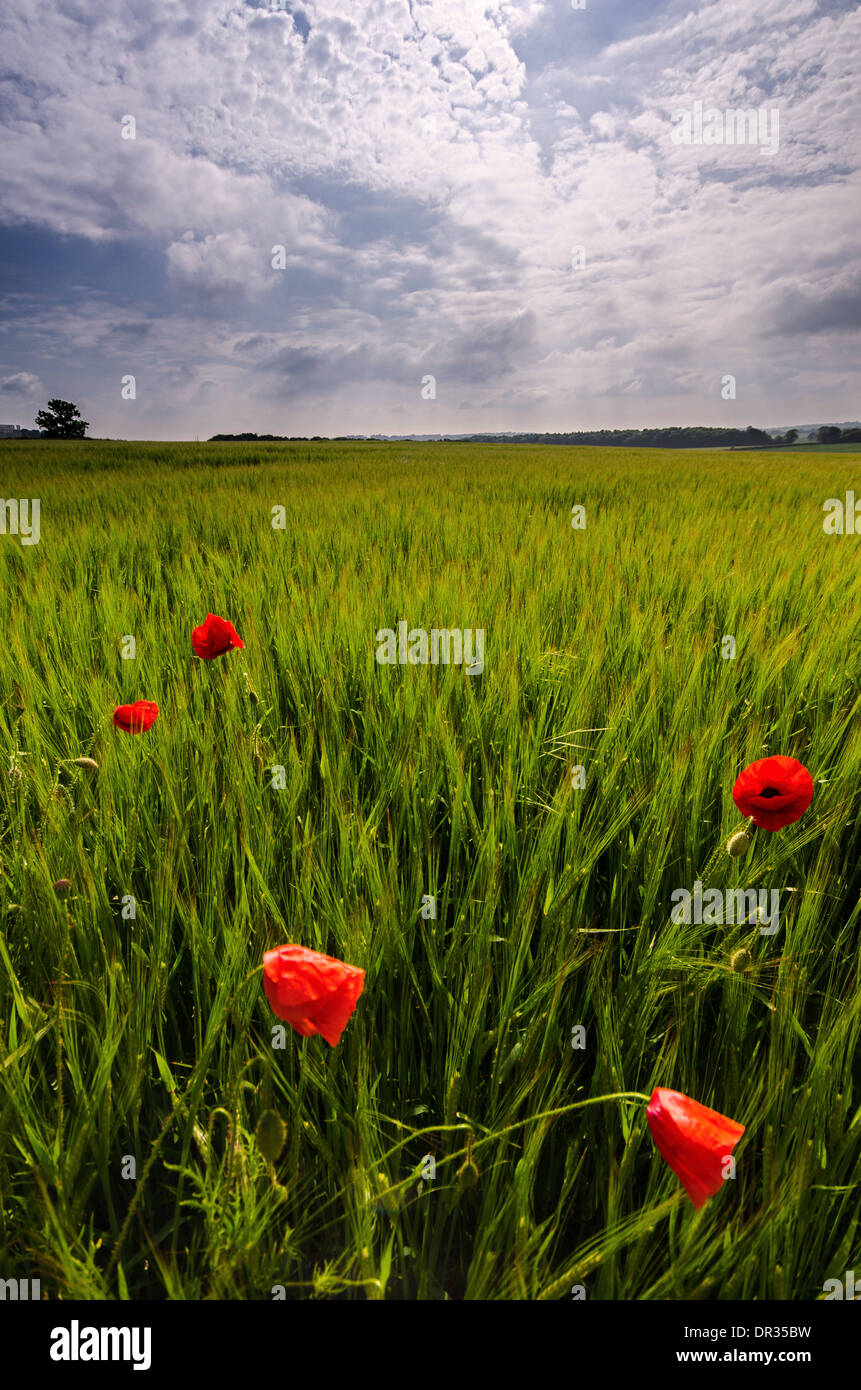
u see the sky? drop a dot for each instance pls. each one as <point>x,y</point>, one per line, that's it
<point>429,216</point>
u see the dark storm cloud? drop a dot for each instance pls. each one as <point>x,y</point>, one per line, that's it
<point>810,311</point>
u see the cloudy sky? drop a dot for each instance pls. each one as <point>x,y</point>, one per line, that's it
<point>428,167</point>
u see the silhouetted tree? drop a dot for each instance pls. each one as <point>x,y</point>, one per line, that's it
<point>62,420</point>
<point>828,434</point>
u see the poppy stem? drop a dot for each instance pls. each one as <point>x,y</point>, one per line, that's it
<point>563,1110</point>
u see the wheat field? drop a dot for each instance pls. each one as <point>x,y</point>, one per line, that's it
<point>149,1037</point>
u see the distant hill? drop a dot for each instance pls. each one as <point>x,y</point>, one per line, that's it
<point>804,431</point>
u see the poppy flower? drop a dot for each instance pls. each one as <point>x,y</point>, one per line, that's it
<point>775,791</point>
<point>137,717</point>
<point>694,1141</point>
<point>215,637</point>
<point>311,992</point>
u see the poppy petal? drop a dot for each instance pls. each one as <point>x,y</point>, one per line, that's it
<point>312,992</point>
<point>136,718</point>
<point>693,1140</point>
<point>214,637</point>
<point>775,791</point>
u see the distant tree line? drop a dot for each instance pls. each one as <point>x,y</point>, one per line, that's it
<point>62,420</point>
<point>269,438</point>
<point>677,437</point>
<point>832,434</point>
<point>674,437</point>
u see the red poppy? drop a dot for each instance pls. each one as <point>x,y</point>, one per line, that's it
<point>311,992</point>
<point>775,791</point>
<point>694,1140</point>
<point>215,637</point>
<point>137,717</point>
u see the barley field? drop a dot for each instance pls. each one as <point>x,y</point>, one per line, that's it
<point>134,1029</point>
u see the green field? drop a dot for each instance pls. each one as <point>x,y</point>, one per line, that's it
<point>818,449</point>
<point>151,1037</point>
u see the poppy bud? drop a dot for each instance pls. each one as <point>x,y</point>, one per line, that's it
<point>62,886</point>
<point>249,689</point>
<point>467,1175</point>
<point>86,762</point>
<point>738,844</point>
<point>741,960</point>
<point>270,1133</point>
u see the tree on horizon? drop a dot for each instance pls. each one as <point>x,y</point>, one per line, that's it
<point>62,420</point>
<point>828,434</point>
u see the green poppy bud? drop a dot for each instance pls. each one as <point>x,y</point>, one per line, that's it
<point>467,1175</point>
<point>738,844</point>
<point>271,1133</point>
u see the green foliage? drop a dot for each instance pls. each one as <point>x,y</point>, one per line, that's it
<point>151,1036</point>
<point>62,420</point>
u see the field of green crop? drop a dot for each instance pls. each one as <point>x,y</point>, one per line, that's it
<point>150,1037</point>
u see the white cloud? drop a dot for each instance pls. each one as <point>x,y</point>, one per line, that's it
<point>226,263</point>
<point>24,385</point>
<point>428,176</point>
